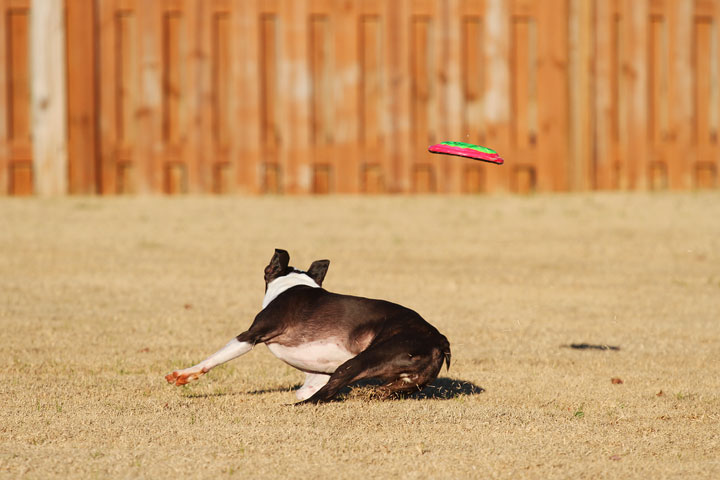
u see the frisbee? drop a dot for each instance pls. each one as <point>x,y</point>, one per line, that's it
<point>460,149</point>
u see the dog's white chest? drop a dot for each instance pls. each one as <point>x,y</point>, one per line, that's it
<point>323,356</point>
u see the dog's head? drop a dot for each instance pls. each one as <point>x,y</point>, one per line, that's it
<point>279,267</point>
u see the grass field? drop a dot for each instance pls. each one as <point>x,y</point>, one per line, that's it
<point>100,298</point>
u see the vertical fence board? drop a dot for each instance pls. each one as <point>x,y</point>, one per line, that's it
<point>322,102</point>
<point>19,96</point>
<point>524,98</point>
<point>245,117</point>
<point>107,115</point>
<point>177,176</point>
<point>658,99</point>
<point>158,174</point>
<point>347,91</point>
<point>635,85</point>
<point>421,58</point>
<point>222,80</point>
<point>398,61</point>
<point>48,98</point>
<point>581,87</point>
<point>680,105</point>
<point>551,126</point>
<point>4,99</point>
<point>706,93</point>
<point>373,162</point>
<point>194,150</point>
<point>609,31</point>
<point>295,97</point>
<point>18,164</point>
<point>449,102</point>
<point>81,34</point>
<point>473,70</point>
<point>272,170</point>
<point>498,104</point>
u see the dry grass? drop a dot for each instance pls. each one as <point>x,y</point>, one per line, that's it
<point>99,298</point>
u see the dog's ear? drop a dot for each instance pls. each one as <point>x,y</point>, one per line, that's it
<point>278,265</point>
<point>317,270</point>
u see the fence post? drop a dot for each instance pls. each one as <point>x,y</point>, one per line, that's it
<point>48,97</point>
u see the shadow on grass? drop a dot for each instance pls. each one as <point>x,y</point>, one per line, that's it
<point>448,388</point>
<point>591,346</point>
<point>211,395</point>
<point>442,388</point>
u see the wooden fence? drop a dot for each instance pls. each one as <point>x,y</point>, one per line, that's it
<point>318,96</point>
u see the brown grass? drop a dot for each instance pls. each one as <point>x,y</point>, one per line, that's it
<point>99,298</point>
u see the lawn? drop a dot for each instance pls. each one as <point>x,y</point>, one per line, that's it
<point>101,297</point>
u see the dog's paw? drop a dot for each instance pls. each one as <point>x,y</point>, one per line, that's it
<point>306,392</point>
<point>182,377</point>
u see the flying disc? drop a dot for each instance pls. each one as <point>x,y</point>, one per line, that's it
<point>460,149</point>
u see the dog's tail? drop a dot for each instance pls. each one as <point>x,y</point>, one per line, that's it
<point>445,347</point>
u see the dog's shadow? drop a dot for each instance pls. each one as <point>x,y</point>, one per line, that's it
<point>442,388</point>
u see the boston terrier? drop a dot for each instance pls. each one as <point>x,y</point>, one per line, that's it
<point>335,339</point>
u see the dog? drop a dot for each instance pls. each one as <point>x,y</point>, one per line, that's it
<point>335,339</point>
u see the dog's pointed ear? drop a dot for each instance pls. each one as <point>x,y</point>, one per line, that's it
<point>317,270</point>
<point>278,265</point>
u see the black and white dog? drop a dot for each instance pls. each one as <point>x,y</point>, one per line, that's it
<point>335,339</point>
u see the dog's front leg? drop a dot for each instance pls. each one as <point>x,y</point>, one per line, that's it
<point>233,349</point>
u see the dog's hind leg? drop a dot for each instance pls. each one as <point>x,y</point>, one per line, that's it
<point>313,383</point>
<point>413,379</point>
<point>234,348</point>
<point>425,369</point>
<point>405,364</point>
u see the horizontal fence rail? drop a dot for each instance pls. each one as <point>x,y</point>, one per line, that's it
<point>345,96</point>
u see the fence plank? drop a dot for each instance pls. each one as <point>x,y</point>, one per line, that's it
<point>372,162</point>
<point>81,97</point>
<point>108,112</point>
<point>553,103</point>
<point>658,99</point>
<point>246,115</point>
<point>527,54</point>
<point>680,15</point>
<point>158,176</point>
<point>294,98</point>
<point>4,98</point>
<point>48,98</point>
<point>706,90</point>
<point>470,78</point>
<point>271,130</point>
<point>347,111</point>
<point>635,83</point>
<point>423,21</point>
<point>398,60</point>
<point>581,85</point>
<point>16,177</point>
<point>497,104</point>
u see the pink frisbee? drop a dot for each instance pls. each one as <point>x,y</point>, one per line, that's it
<point>460,149</point>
